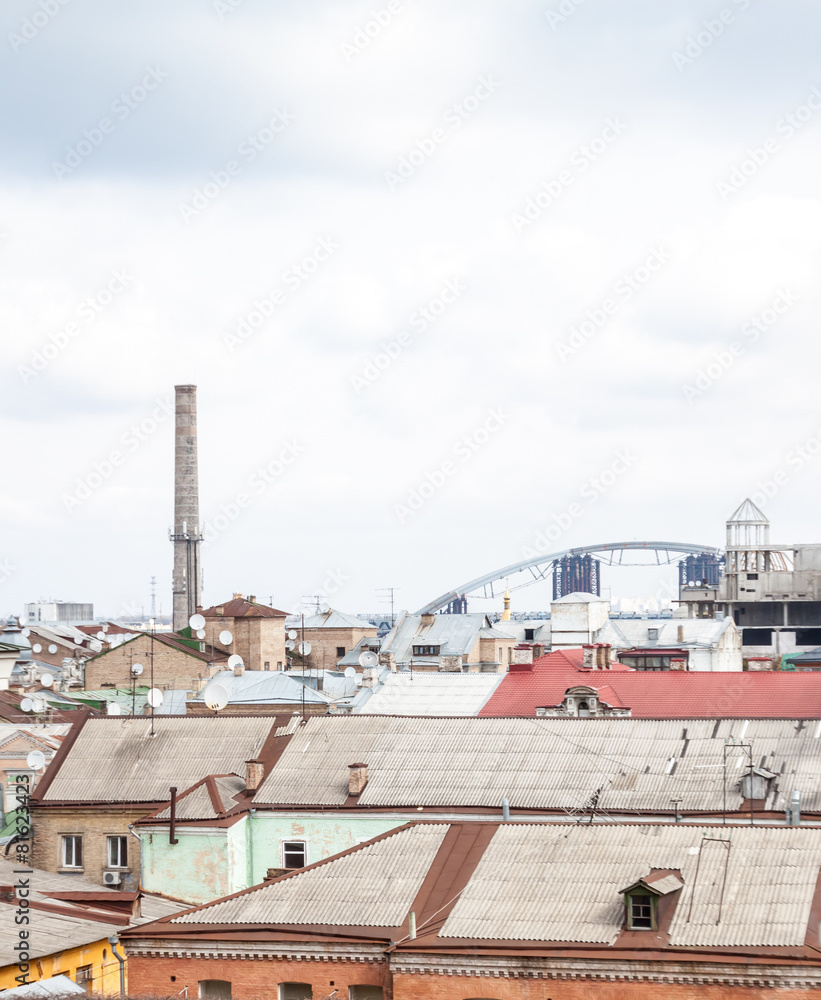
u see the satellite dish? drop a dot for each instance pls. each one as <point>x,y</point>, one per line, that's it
<point>215,697</point>
<point>305,648</point>
<point>52,648</point>
<point>36,759</point>
<point>36,648</point>
<point>38,705</point>
<point>200,633</point>
<point>350,672</point>
<point>155,697</point>
<point>292,633</point>
<point>26,632</point>
<point>112,708</point>
<point>101,635</point>
<point>368,659</point>
<point>235,660</point>
<point>226,638</point>
<point>196,621</point>
<point>324,608</point>
<point>290,644</point>
<point>47,680</point>
<point>22,622</point>
<point>26,705</point>
<point>136,669</point>
<point>95,645</point>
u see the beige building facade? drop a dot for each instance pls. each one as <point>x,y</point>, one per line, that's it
<point>257,632</point>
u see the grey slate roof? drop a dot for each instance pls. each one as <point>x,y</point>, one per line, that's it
<point>337,619</point>
<point>533,884</point>
<point>427,693</point>
<point>639,764</point>
<point>117,760</point>
<point>374,885</point>
<point>456,635</point>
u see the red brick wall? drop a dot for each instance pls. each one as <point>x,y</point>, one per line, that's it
<point>251,979</point>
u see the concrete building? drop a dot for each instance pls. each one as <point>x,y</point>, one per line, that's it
<point>257,631</point>
<point>332,635</point>
<point>575,620</point>
<point>467,643</point>
<point>674,644</point>
<point>57,611</point>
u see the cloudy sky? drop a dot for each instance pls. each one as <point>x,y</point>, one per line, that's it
<point>442,273</point>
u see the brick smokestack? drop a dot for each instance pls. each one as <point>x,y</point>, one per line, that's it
<point>187,579</point>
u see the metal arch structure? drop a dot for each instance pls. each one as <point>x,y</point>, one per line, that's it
<point>541,566</point>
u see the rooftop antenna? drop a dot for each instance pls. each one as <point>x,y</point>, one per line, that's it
<point>314,599</point>
<point>153,597</point>
<point>388,600</point>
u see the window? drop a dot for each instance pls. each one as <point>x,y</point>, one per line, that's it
<point>757,636</point>
<point>118,852</point>
<point>295,991</point>
<point>530,633</point>
<point>72,851</point>
<point>640,913</point>
<point>365,992</point>
<point>83,977</point>
<point>426,650</point>
<point>215,989</point>
<point>752,576</point>
<point>294,854</point>
<point>340,650</point>
<point>808,637</point>
<point>267,665</point>
<point>584,708</point>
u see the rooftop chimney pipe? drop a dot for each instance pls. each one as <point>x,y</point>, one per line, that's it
<point>187,578</point>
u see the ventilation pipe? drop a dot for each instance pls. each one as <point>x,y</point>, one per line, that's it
<point>794,809</point>
<point>505,810</point>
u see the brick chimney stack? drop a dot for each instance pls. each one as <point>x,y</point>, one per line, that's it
<point>254,773</point>
<point>357,778</point>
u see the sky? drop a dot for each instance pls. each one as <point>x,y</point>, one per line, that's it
<point>454,281</point>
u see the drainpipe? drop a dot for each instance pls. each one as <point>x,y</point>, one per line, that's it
<point>251,843</point>
<point>114,941</point>
<point>172,827</point>
<point>140,842</point>
<point>505,810</point>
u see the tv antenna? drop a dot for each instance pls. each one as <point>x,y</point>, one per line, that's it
<point>390,591</point>
<point>153,597</point>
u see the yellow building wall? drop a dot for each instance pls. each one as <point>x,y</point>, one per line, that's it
<point>105,969</point>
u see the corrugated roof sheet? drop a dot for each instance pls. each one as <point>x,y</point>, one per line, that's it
<point>197,803</point>
<point>263,687</point>
<point>337,619</point>
<point>427,693</point>
<point>637,764</point>
<point>117,760</point>
<point>534,884</point>
<point>373,886</point>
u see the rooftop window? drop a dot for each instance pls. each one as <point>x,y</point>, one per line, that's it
<point>640,912</point>
<point>426,650</point>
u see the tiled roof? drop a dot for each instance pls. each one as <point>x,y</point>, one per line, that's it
<point>428,693</point>
<point>374,885</point>
<point>674,694</point>
<point>239,607</point>
<point>117,759</point>
<point>546,763</point>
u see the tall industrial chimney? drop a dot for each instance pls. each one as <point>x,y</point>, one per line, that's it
<point>187,579</point>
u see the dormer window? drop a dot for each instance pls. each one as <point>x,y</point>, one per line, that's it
<point>641,912</point>
<point>652,633</point>
<point>641,899</point>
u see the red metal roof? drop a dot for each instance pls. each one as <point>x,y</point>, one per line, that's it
<point>238,607</point>
<point>674,694</point>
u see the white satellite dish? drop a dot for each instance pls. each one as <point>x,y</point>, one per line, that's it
<point>52,648</point>
<point>101,636</point>
<point>36,759</point>
<point>22,623</point>
<point>155,697</point>
<point>235,660</point>
<point>38,705</point>
<point>368,659</point>
<point>292,633</point>
<point>95,645</point>
<point>112,708</point>
<point>215,697</point>
<point>200,633</point>
<point>290,644</point>
<point>136,669</point>
<point>196,621</point>
<point>305,648</point>
<point>226,638</point>
<point>350,671</point>
<point>47,680</point>
<point>324,608</point>
<point>36,648</point>
<point>26,632</point>
<point>26,705</point>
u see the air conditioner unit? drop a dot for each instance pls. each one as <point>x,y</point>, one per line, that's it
<point>112,878</point>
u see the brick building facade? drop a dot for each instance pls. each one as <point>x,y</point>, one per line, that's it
<point>175,662</point>
<point>257,632</point>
